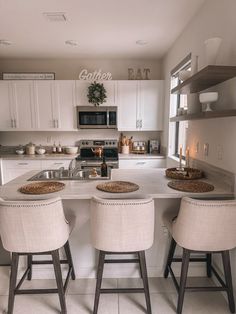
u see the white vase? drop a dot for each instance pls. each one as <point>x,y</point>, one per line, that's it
<point>212,47</point>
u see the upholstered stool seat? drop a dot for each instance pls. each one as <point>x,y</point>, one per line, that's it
<point>202,226</point>
<point>31,228</point>
<point>122,226</point>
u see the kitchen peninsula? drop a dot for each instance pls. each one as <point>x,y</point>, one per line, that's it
<point>76,196</point>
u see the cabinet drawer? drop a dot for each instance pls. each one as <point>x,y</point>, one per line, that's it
<point>22,164</point>
<point>141,163</point>
<point>55,164</point>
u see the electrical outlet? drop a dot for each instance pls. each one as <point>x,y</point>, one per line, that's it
<point>197,147</point>
<point>206,149</point>
<point>219,152</point>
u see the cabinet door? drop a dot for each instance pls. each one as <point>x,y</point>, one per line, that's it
<point>82,93</point>
<point>45,105</point>
<point>65,111</point>
<point>6,110</point>
<point>142,163</point>
<point>12,169</point>
<point>150,110</point>
<point>55,164</point>
<point>127,92</point>
<point>24,109</point>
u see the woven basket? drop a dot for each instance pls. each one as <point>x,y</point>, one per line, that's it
<point>187,174</point>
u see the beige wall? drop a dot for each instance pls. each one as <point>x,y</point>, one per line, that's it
<point>216,18</point>
<point>69,69</point>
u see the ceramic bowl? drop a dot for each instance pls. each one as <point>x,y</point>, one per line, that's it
<point>20,151</point>
<point>71,150</point>
<point>184,75</point>
<point>41,151</point>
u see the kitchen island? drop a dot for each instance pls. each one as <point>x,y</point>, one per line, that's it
<point>76,196</point>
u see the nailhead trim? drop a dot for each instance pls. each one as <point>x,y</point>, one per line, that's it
<point>218,204</point>
<point>28,205</point>
<point>118,204</point>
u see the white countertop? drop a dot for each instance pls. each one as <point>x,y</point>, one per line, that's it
<point>37,157</point>
<point>151,181</point>
<point>141,156</point>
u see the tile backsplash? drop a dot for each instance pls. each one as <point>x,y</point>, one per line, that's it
<point>68,138</point>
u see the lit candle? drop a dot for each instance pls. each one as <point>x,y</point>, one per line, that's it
<point>180,157</point>
<point>187,157</point>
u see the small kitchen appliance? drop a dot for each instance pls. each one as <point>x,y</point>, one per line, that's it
<point>139,147</point>
<point>153,147</point>
<point>102,117</point>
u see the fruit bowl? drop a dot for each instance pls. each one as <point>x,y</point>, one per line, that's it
<point>207,99</point>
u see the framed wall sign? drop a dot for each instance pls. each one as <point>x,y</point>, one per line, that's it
<point>28,76</point>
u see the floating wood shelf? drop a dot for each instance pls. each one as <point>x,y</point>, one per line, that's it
<point>205,115</point>
<point>207,77</point>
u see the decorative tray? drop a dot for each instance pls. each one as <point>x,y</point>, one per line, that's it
<point>118,187</point>
<point>191,186</point>
<point>185,174</point>
<point>42,187</point>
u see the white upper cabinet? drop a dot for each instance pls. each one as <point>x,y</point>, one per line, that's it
<point>127,92</point>
<point>140,105</point>
<point>151,105</point>
<point>6,108</point>
<point>65,111</point>
<point>44,101</point>
<point>82,92</point>
<point>23,105</point>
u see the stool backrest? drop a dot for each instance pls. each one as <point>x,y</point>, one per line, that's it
<point>122,225</point>
<point>33,226</point>
<point>205,225</point>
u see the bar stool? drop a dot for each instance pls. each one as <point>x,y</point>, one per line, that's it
<point>121,226</point>
<point>202,226</point>
<point>36,228</point>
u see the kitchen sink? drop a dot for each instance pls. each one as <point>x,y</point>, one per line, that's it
<point>65,174</point>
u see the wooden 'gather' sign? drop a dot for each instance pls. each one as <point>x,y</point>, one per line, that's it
<point>95,76</point>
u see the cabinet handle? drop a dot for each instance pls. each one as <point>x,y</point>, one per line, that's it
<point>58,163</point>
<point>141,163</point>
<point>141,124</point>
<point>54,123</point>
<point>22,163</point>
<point>12,124</point>
<point>57,124</point>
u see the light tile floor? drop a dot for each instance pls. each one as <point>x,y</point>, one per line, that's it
<point>80,297</point>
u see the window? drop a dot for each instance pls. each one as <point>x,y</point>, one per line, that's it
<point>178,130</point>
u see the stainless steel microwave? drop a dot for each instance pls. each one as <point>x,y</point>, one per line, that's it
<point>103,117</point>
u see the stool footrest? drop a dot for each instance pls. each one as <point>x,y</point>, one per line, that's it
<point>115,261</point>
<point>122,290</point>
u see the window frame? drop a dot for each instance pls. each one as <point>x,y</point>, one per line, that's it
<point>182,65</point>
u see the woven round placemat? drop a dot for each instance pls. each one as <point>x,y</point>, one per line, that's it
<point>118,187</point>
<point>42,187</point>
<point>191,186</point>
<point>187,174</point>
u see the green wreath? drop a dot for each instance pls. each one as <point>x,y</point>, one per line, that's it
<point>96,94</point>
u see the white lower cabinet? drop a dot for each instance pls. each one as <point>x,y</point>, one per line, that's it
<point>141,163</point>
<point>55,164</point>
<point>12,169</point>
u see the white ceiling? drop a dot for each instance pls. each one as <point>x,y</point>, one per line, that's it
<point>103,28</point>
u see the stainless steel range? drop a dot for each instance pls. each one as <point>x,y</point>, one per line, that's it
<point>92,152</point>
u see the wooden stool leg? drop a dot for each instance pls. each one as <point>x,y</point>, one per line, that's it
<point>57,269</point>
<point>208,265</point>
<point>228,280</point>
<point>69,259</point>
<point>99,280</point>
<point>170,257</point>
<point>183,279</point>
<point>143,265</point>
<point>13,278</point>
<point>29,262</point>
